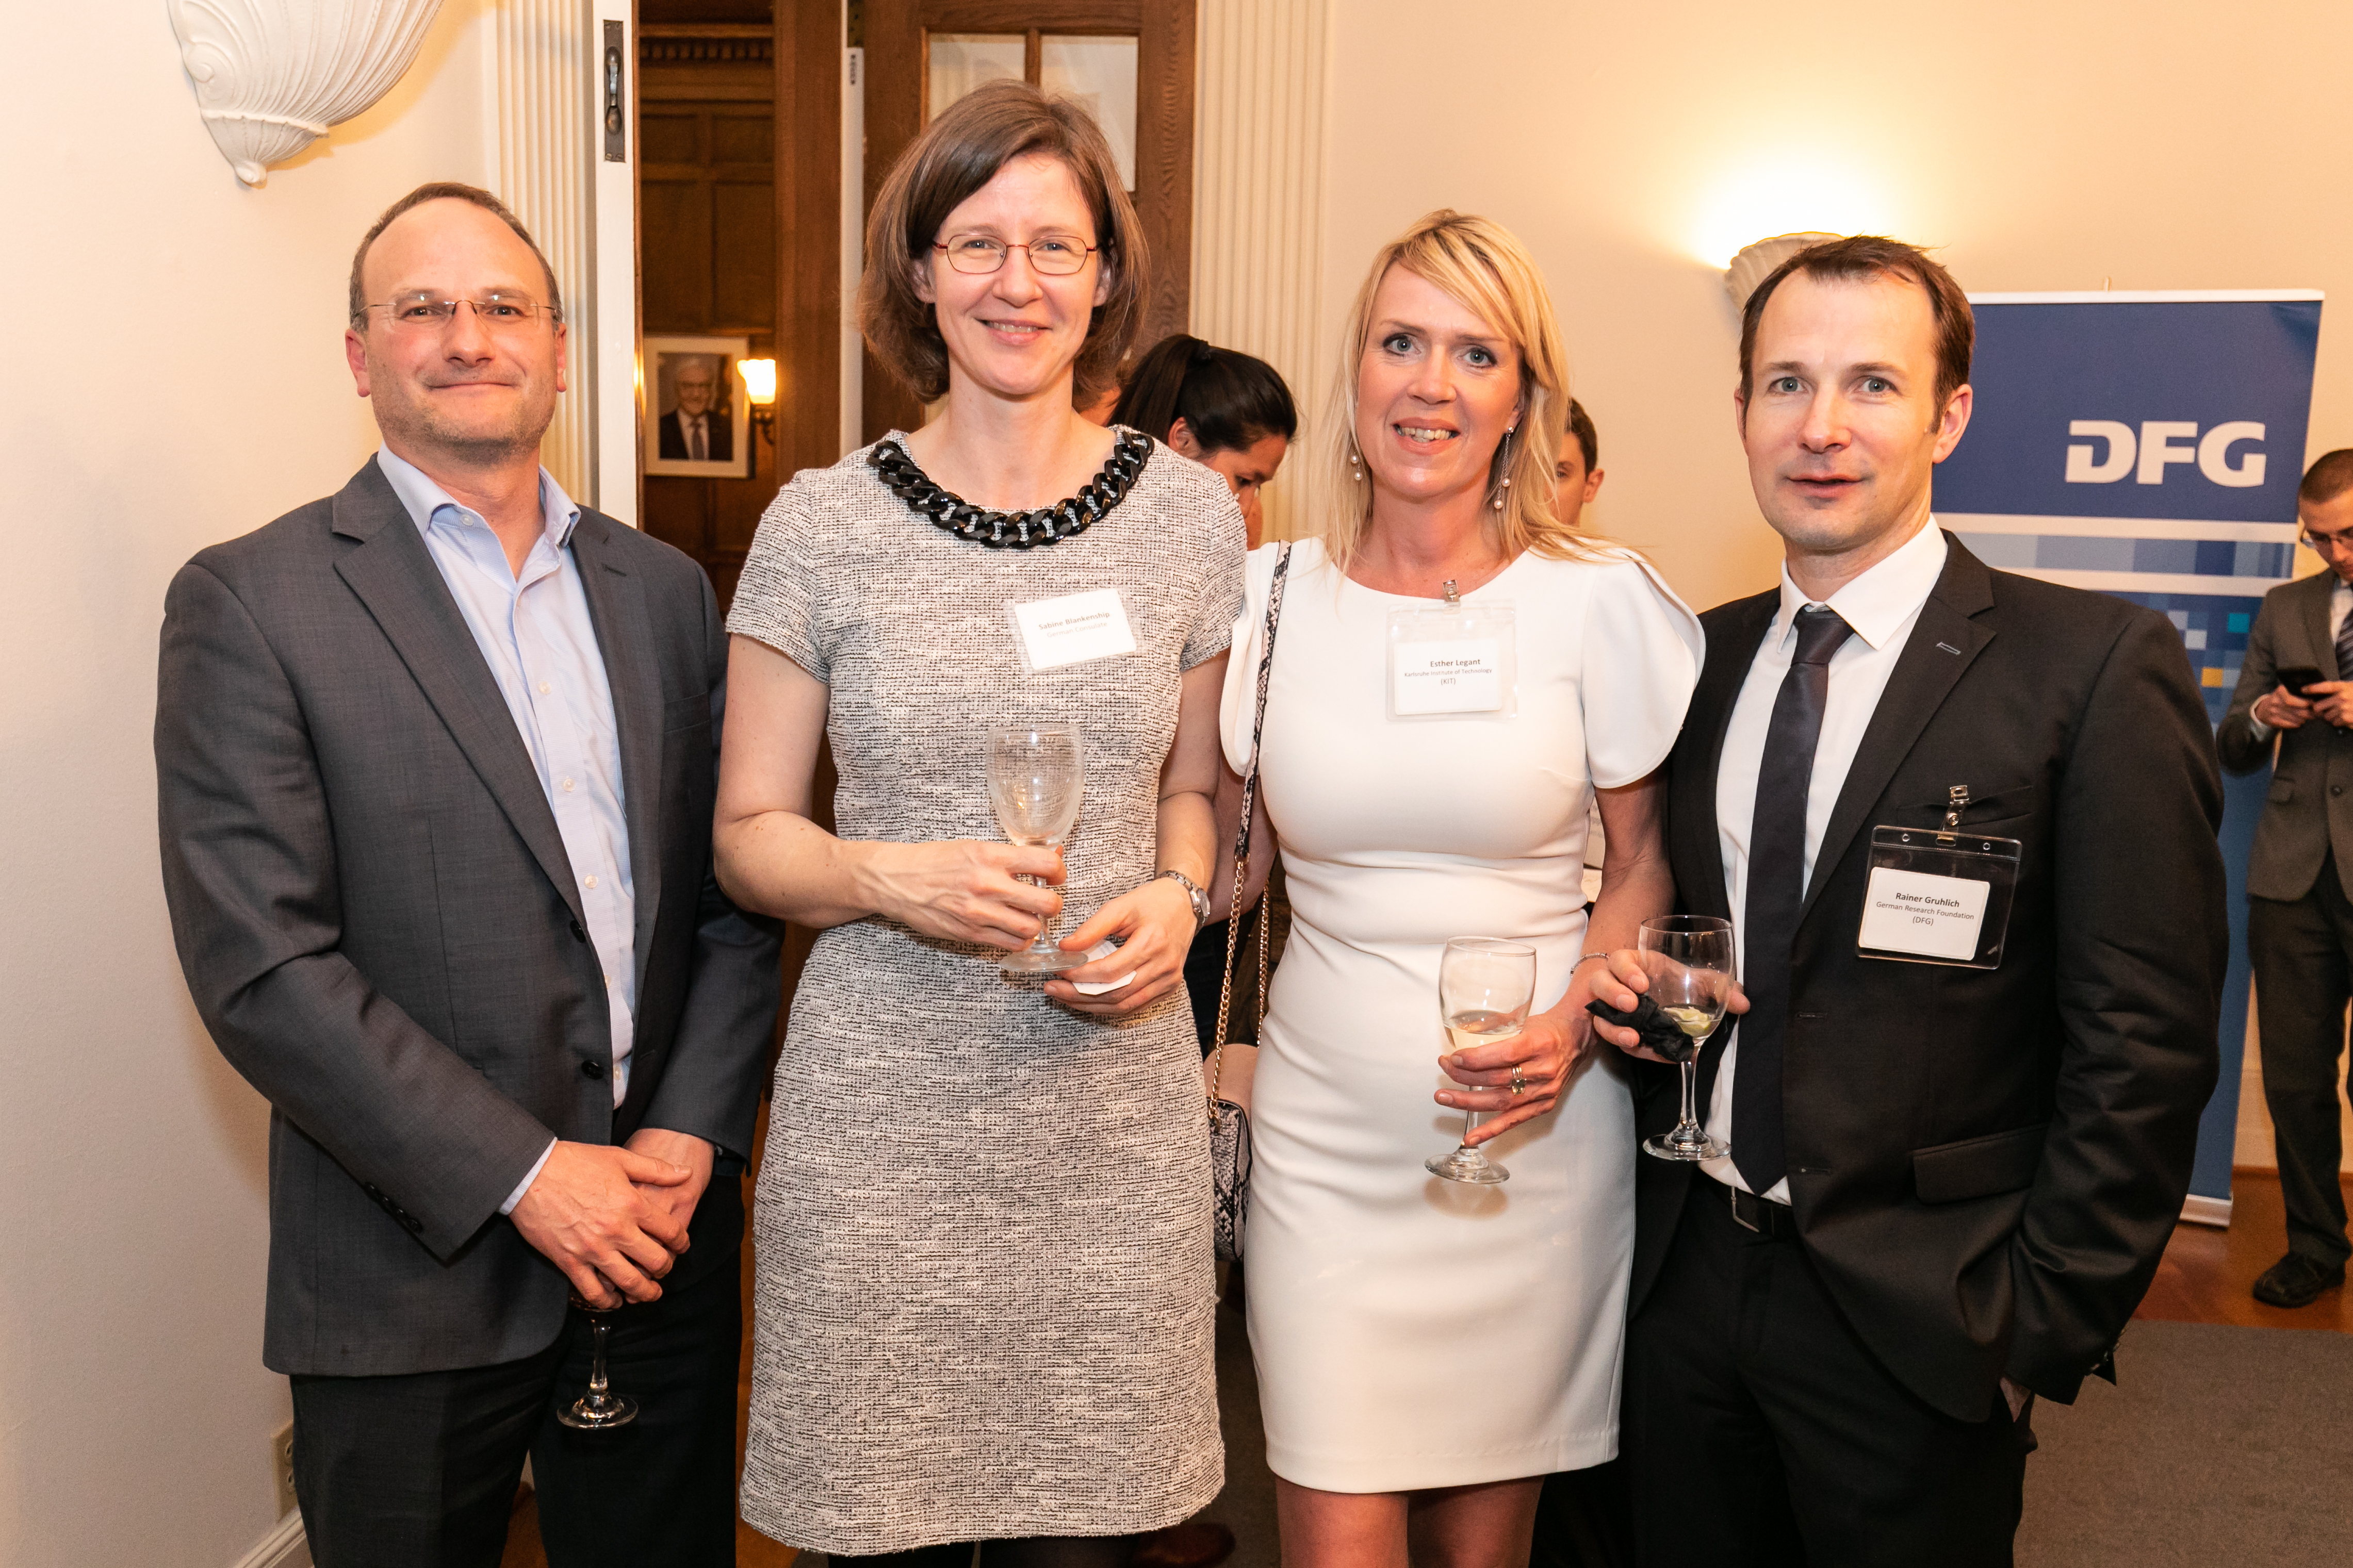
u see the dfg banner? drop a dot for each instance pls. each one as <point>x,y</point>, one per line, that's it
<point>2149,445</point>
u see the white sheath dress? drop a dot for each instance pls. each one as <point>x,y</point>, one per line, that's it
<point>1412,1332</point>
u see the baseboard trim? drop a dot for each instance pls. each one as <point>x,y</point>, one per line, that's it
<point>283,1547</point>
<point>2215,1212</point>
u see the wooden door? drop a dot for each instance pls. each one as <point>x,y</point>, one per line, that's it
<point>900,36</point>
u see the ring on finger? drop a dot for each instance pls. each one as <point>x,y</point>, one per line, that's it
<point>1519,1083</point>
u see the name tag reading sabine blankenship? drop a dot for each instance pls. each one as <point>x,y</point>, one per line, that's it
<point>1077,629</point>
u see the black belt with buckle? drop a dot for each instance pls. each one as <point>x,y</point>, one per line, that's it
<point>1762,1215</point>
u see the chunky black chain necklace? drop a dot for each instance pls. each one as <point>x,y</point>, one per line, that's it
<point>1020,529</point>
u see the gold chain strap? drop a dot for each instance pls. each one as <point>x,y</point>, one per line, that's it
<point>1241,850</point>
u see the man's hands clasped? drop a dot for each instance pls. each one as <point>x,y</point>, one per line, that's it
<point>613,1220</point>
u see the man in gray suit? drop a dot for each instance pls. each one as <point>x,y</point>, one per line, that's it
<point>2297,684</point>
<point>436,759</point>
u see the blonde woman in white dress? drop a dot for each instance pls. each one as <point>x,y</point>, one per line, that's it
<point>1427,1351</point>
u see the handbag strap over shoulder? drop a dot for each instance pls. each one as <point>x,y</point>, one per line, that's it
<point>1242,834</point>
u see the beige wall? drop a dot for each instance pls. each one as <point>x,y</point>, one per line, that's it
<point>2160,146</point>
<point>171,374</point>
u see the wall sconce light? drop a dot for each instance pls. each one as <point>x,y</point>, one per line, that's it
<point>1756,263</point>
<point>760,390</point>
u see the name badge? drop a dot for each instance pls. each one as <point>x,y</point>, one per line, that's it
<point>1929,916</point>
<point>1462,676</point>
<point>1077,629</point>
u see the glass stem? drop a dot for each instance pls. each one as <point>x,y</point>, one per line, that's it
<point>597,1359</point>
<point>1470,1119</point>
<point>1690,1075</point>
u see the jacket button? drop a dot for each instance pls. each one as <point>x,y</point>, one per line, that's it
<point>592,1069</point>
<point>577,934</point>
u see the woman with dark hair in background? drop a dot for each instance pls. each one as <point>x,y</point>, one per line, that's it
<point>1218,407</point>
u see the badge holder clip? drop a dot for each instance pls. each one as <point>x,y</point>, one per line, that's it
<point>1457,661</point>
<point>1939,895</point>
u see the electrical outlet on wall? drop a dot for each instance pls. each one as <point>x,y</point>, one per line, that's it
<point>281,1467</point>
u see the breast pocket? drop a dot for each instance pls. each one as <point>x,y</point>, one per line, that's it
<point>688,712</point>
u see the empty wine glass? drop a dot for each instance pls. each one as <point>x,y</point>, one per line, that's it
<point>1037,781</point>
<point>1486,987</point>
<point>600,1407</point>
<point>1689,961</point>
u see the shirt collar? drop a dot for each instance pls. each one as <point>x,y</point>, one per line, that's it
<point>424,500</point>
<point>1878,602</point>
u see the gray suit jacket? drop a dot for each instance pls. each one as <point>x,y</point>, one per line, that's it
<point>379,925</point>
<point>2308,821</point>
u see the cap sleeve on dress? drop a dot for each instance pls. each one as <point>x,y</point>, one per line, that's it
<point>1643,648</point>
<point>777,596</point>
<point>1224,542</point>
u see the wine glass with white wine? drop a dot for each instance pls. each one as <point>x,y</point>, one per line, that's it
<point>1689,961</point>
<point>1037,782</point>
<point>1486,987</point>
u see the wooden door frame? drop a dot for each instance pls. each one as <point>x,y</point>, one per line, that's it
<point>1166,32</point>
<point>810,37</point>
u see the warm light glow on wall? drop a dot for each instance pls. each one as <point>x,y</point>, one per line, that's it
<point>759,380</point>
<point>1785,192</point>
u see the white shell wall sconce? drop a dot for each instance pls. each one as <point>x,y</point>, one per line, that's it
<point>1756,263</point>
<point>274,75</point>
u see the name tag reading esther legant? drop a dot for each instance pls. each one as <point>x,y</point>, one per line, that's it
<point>1077,629</point>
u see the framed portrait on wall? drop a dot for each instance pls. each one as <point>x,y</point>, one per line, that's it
<point>698,423</point>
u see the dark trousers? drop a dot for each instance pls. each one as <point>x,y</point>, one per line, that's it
<point>2304,974</point>
<point>1758,1429</point>
<point>420,1470</point>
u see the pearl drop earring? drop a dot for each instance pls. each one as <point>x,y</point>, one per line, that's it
<point>1507,456</point>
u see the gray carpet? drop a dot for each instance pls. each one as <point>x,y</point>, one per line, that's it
<point>2219,1446</point>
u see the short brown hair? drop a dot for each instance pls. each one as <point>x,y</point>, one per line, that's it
<point>2330,476</point>
<point>451,191</point>
<point>1588,439</point>
<point>1867,255</point>
<point>957,154</point>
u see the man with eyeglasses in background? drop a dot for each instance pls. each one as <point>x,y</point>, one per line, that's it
<point>2297,685</point>
<point>436,761</point>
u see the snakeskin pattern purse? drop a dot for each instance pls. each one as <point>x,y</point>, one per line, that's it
<point>1229,1087</point>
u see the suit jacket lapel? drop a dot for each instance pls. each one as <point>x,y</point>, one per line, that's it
<point>625,638</point>
<point>394,575</point>
<point>1729,656</point>
<point>1944,642</point>
<point>2315,622</point>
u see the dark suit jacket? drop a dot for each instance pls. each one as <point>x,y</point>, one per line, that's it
<point>1985,1165</point>
<point>379,925</point>
<point>718,437</point>
<point>2308,821</point>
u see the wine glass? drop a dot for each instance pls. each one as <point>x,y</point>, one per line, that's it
<point>600,1408</point>
<point>1689,961</point>
<point>1486,987</point>
<point>1037,780</point>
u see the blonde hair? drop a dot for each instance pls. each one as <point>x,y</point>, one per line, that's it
<point>1485,270</point>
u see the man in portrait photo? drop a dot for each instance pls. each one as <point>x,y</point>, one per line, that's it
<point>699,429</point>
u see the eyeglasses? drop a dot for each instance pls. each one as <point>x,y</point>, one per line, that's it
<point>500,310</point>
<point>1054,254</point>
<point>2324,544</point>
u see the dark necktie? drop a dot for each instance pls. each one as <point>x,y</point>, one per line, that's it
<point>697,454</point>
<point>1776,888</point>
<point>2344,648</point>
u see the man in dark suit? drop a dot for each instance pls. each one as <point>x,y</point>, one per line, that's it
<point>2299,923</point>
<point>1947,1187</point>
<point>695,431</point>
<point>436,761</point>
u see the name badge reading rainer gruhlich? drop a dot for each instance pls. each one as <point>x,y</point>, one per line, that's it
<point>1939,895</point>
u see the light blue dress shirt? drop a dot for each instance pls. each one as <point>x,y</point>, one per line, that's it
<point>534,631</point>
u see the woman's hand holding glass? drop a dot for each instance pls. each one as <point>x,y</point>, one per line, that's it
<point>1544,1051</point>
<point>967,889</point>
<point>1153,926</point>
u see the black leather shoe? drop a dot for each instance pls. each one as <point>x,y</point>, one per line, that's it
<point>2296,1280</point>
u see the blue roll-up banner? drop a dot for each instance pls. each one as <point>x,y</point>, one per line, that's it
<point>2150,446</point>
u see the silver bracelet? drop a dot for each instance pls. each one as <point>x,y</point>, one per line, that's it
<point>1603,954</point>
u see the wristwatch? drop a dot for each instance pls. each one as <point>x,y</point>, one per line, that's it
<point>1193,891</point>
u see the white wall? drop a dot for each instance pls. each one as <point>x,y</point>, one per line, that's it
<point>171,374</point>
<point>2158,144</point>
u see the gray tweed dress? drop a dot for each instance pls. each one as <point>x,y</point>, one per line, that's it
<point>982,1290</point>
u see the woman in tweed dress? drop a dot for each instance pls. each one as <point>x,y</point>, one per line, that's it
<point>983,1298</point>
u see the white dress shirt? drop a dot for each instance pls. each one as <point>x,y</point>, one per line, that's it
<point>1882,605</point>
<point>535,632</point>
